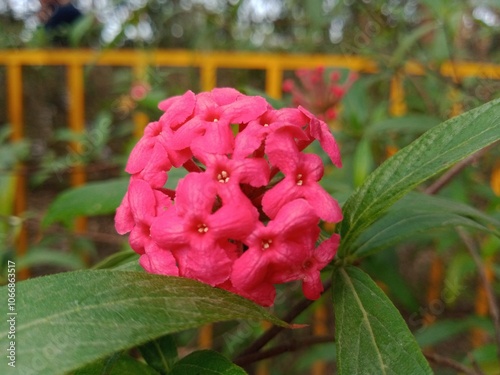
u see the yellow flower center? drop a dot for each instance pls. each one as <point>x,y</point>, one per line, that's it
<point>202,228</point>
<point>266,244</point>
<point>223,177</point>
<point>299,179</point>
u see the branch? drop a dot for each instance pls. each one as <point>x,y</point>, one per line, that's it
<point>452,172</point>
<point>474,364</point>
<point>275,330</point>
<point>490,295</point>
<point>290,346</point>
<point>448,362</point>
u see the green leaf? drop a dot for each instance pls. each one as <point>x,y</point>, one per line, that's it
<point>443,330</point>
<point>385,267</point>
<point>7,194</point>
<point>409,40</point>
<point>325,352</point>
<point>459,269</point>
<point>68,320</point>
<point>363,161</point>
<point>433,152</point>
<point>206,362</point>
<point>420,213</point>
<point>93,198</point>
<point>315,13</point>
<point>80,29</point>
<point>131,265</point>
<point>487,357</point>
<point>409,124</point>
<point>160,353</point>
<point>371,336</point>
<point>174,175</point>
<point>355,104</point>
<point>117,259</point>
<point>43,256</point>
<point>117,364</point>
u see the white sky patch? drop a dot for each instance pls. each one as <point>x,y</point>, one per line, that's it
<point>336,30</point>
<point>23,8</point>
<point>114,17</point>
<point>260,10</point>
<point>485,14</point>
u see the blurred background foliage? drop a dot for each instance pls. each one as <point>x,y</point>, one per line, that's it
<point>390,32</point>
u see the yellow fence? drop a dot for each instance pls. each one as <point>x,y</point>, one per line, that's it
<point>208,63</point>
<point>274,65</point>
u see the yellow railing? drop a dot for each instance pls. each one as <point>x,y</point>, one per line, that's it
<point>274,65</point>
<point>75,61</point>
<point>208,63</point>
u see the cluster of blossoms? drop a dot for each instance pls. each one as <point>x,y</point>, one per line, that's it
<point>321,96</point>
<point>246,216</point>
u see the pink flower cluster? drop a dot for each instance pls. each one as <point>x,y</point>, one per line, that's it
<point>246,215</point>
<point>319,95</point>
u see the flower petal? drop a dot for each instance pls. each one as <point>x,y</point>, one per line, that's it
<point>185,135</point>
<point>209,263</point>
<point>325,206</point>
<point>140,155</point>
<point>168,230</point>
<point>142,200</point>
<point>139,238</point>
<point>195,195</point>
<point>319,130</point>
<point>155,171</point>
<point>252,171</point>
<point>249,140</point>
<point>282,150</point>
<point>177,109</point>
<point>124,219</point>
<point>217,139</point>
<point>245,109</point>
<point>293,217</point>
<point>224,95</point>
<point>312,286</point>
<point>326,250</point>
<point>275,198</point>
<point>233,221</point>
<point>159,261</point>
<point>250,269</point>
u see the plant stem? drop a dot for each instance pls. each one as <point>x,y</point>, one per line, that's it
<point>275,330</point>
<point>490,295</point>
<point>448,362</point>
<point>290,346</point>
<point>446,178</point>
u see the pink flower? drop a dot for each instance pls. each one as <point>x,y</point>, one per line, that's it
<point>177,109</point>
<point>273,249</point>
<point>155,171</point>
<point>245,216</point>
<point>319,130</point>
<point>288,85</point>
<point>209,130</point>
<point>227,174</point>
<point>139,207</point>
<point>308,270</point>
<point>317,93</point>
<point>139,90</point>
<point>159,261</point>
<point>302,173</point>
<point>255,132</point>
<point>197,235</point>
<point>141,153</point>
